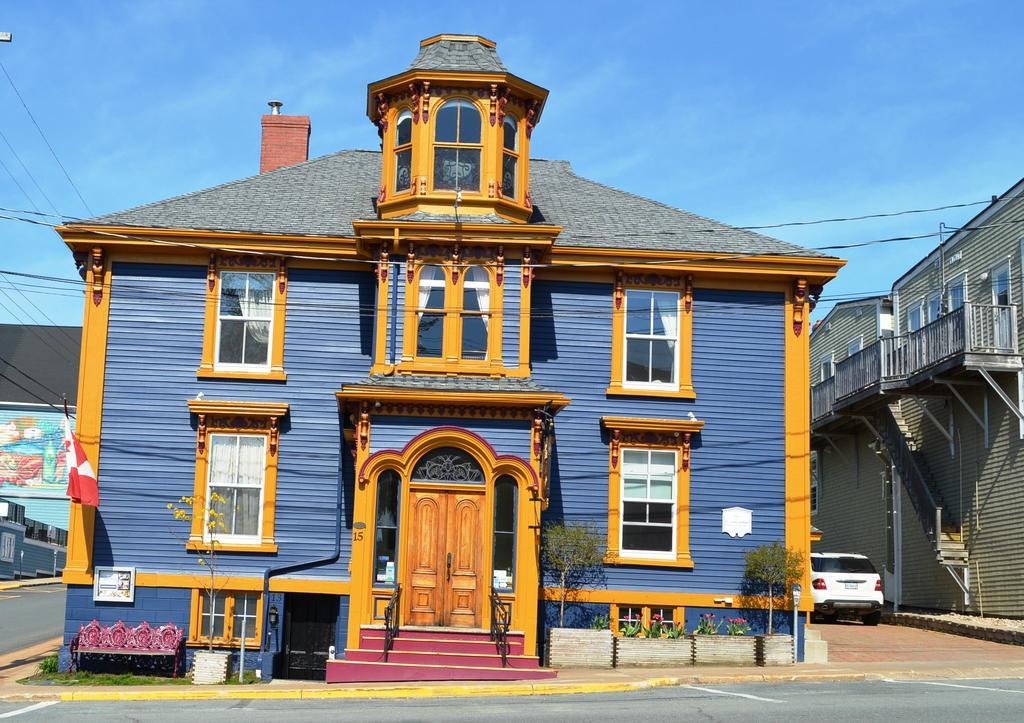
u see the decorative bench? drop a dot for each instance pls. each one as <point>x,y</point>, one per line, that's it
<point>118,639</point>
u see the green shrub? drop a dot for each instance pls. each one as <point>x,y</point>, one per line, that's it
<point>48,665</point>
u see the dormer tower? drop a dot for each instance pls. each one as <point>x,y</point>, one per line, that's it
<point>455,128</point>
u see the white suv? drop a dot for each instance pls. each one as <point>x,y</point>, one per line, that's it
<point>846,584</point>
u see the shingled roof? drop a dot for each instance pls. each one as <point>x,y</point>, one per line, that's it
<point>460,54</point>
<point>323,196</point>
<point>40,363</point>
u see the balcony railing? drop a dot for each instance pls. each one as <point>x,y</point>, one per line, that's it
<point>971,329</point>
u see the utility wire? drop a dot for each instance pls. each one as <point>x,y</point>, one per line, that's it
<point>74,344</point>
<point>29,377</point>
<point>32,327</point>
<point>32,394</point>
<point>45,139</point>
<point>29,173</point>
<point>22,189</point>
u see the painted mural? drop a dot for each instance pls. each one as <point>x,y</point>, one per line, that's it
<point>31,451</point>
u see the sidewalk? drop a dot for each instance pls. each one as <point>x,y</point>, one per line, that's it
<point>32,582</point>
<point>568,681</point>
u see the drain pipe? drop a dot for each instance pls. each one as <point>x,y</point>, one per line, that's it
<point>304,565</point>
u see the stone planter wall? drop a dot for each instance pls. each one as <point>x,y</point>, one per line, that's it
<point>580,648</point>
<point>724,650</point>
<point>663,652</point>
<point>209,668</point>
<point>774,649</point>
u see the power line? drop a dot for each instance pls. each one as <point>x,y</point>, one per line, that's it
<point>889,214</point>
<point>20,188</point>
<point>29,377</point>
<point>45,139</point>
<point>32,327</point>
<point>30,392</point>
<point>28,173</point>
<point>74,344</point>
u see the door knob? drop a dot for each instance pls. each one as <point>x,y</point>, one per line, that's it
<point>449,566</point>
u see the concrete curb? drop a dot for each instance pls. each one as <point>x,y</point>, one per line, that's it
<point>979,632</point>
<point>15,584</point>
<point>525,689</point>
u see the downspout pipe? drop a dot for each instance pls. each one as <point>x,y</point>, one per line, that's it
<point>303,565</point>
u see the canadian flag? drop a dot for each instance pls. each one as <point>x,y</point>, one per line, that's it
<point>82,486</point>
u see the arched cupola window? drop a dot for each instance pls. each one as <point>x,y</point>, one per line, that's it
<point>448,464</point>
<point>403,152</point>
<point>457,147</point>
<point>510,158</point>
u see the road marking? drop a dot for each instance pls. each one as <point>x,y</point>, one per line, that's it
<point>954,685</point>
<point>29,709</point>
<point>8,597</point>
<point>738,695</point>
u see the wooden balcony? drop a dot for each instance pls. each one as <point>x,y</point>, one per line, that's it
<point>973,337</point>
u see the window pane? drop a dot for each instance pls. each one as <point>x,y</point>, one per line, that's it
<point>474,337</point>
<point>385,560</point>
<point>510,133</point>
<point>244,622</point>
<point>447,123</point>
<point>251,460</point>
<point>448,464</point>
<point>508,176</point>
<point>403,133</point>
<point>403,170</point>
<point>638,312</point>
<point>232,289</point>
<point>659,513</point>
<point>666,307</point>
<point>387,500</point>
<point>634,489</point>
<point>634,462</point>
<point>638,360</point>
<point>257,342</point>
<point>661,489</point>
<point>634,512</point>
<point>663,361</point>
<point>642,537</point>
<point>457,168</point>
<point>663,464</point>
<point>231,334</point>
<point>504,556</point>
<point>504,505</point>
<point>429,335</point>
<point>469,123</point>
<point>259,301</point>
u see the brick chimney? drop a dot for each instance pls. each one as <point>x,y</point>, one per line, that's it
<point>285,139</point>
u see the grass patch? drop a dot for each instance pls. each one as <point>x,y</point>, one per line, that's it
<point>83,677</point>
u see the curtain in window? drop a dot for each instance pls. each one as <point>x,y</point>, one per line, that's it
<point>258,303</point>
<point>251,464</point>
<point>665,306</point>
<point>482,287</point>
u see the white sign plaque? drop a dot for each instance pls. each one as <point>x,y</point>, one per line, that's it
<point>114,584</point>
<point>736,521</point>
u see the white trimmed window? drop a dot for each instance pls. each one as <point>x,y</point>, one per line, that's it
<point>244,317</point>
<point>648,503</point>
<point>956,293</point>
<point>934,306</point>
<point>827,368</point>
<point>233,612</point>
<point>855,346</point>
<point>652,334</point>
<point>7,547</point>
<point>915,317</point>
<point>237,470</point>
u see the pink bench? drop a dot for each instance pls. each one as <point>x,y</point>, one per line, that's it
<point>118,639</point>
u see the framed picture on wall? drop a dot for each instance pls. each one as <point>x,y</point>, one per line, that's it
<point>114,584</point>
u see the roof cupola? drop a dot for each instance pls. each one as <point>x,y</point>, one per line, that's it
<point>455,130</point>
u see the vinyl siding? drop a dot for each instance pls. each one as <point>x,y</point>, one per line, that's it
<point>738,459</point>
<point>147,454</point>
<point>505,436</point>
<point>513,288</point>
<point>836,332</point>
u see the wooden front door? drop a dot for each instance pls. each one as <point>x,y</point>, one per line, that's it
<point>445,551</point>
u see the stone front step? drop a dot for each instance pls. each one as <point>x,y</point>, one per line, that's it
<point>437,657</point>
<point>351,671</point>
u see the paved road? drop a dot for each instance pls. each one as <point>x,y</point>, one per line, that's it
<point>935,702</point>
<point>30,615</point>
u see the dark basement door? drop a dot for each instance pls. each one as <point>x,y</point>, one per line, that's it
<point>309,622</point>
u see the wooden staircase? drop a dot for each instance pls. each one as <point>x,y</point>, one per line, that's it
<point>429,653</point>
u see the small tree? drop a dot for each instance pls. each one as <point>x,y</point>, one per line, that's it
<point>774,567</point>
<point>213,521</point>
<point>573,552</point>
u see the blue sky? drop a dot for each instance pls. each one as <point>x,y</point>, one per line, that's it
<point>751,113</point>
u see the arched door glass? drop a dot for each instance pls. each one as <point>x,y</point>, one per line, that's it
<point>385,545</point>
<point>504,534</point>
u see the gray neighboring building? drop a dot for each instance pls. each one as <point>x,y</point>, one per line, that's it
<point>918,437</point>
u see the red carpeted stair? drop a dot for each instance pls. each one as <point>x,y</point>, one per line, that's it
<point>434,654</point>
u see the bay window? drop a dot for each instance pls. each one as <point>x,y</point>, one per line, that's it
<point>457,147</point>
<point>403,152</point>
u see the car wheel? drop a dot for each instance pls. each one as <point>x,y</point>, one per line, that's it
<point>872,618</point>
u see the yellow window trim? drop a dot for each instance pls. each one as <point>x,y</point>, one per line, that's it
<point>229,640</point>
<point>485,136</point>
<point>679,284</point>
<point>646,612</point>
<point>255,264</point>
<point>657,434</point>
<point>247,418</point>
<point>451,357</point>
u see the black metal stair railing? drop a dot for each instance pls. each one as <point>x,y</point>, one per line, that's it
<point>501,618</point>
<point>391,622</point>
<point>926,502</point>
